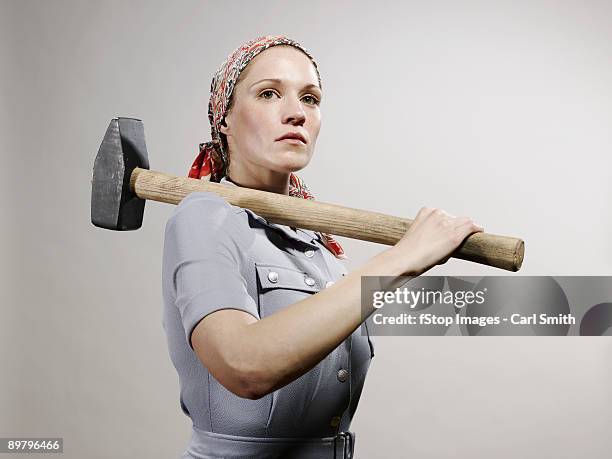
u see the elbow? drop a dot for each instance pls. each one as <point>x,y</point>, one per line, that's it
<point>250,381</point>
<point>251,394</point>
<point>239,372</point>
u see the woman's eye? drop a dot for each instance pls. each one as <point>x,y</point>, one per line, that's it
<point>312,100</point>
<point>269,92</point>
<point>309,99</point>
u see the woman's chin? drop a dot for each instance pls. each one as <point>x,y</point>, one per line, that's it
<point>292,162</point>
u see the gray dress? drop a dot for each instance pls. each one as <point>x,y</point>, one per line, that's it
<point>218,256</point>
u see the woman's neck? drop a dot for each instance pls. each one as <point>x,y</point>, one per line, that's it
<point>267,180</point>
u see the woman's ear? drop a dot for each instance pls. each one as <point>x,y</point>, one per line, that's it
<point>223,127</point>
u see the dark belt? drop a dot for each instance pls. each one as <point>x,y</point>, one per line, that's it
<point>204,445</point>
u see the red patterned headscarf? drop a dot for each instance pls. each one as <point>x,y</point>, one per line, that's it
<point>211,162</point>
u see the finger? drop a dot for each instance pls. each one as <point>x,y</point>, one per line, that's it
<point>440,216</point>
<point>445,214</point>
<point>470,227</point>
<point>460,221</point>
<point>424,212</point>
<point>443,260</point>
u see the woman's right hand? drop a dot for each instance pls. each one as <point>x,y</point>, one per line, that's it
<point>432,238</point>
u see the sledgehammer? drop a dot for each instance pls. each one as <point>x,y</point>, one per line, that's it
<point>122,182</point>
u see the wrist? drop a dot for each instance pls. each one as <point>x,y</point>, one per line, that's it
<point>398,263</point>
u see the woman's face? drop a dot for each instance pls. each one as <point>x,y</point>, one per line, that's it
<point>286,101</point>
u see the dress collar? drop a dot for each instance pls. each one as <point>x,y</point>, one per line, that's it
<point>302,235</point>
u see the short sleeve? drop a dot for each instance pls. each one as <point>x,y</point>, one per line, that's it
<point>201,258</point>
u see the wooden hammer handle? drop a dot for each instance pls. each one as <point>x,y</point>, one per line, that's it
<point>489,249</point>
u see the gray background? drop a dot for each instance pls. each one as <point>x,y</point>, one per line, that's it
<point>497,110</point>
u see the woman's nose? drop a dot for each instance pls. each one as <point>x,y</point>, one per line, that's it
<point>294,111</point>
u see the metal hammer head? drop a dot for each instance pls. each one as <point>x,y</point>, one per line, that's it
<point>113,204</point>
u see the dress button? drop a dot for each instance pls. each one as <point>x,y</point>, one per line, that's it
<point>273,276</point>
<point>309,253</point>
<point>335,421</point>
<point>342,375</point>
<point>329,283</point>
<point>309,281</point>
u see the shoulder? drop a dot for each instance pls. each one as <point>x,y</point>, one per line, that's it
<point>204,214</point>
<point>197,201</point>
<point>203,206</point>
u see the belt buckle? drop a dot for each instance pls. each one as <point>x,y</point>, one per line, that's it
<point>347,445</point>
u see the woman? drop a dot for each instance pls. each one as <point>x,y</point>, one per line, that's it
<point>263,321</point>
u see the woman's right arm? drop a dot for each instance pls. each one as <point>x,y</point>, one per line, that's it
<point>252,358</point>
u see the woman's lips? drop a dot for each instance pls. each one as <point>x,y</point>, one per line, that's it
<point>292,141</point>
